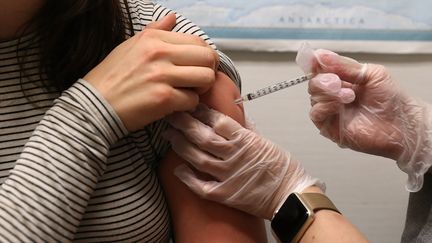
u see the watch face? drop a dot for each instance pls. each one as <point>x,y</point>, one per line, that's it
<point>289,219</point>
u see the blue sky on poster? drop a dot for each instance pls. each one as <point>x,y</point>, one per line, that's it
<point>347,14</point>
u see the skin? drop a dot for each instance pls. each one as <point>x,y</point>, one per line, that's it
<point>330,227</point>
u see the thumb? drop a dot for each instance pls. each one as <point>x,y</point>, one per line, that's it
<point>346,68</point>
<point>167,23</point>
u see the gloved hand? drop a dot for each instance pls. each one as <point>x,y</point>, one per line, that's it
<point>250,173</point>
<point>359,106</point>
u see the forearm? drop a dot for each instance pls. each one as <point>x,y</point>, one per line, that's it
<point>331,227</point>
<point>46,193</point>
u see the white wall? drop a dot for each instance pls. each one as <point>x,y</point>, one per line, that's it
<point>368,190</point>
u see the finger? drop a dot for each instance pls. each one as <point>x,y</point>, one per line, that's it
<point>182,100</point>
<point>206,115</point>
<point>222,124</point>
<point>346,68</point>
<point>201,78</point>
<point>324,84</point>
<point>228,127</point>
<point>192,55</point>
<point>344,96</point>
<point>327,87</point>
<point>195,131</point>
<point>306,58</point>
<point>198,133</point>
<point>188,177</point>
<point>181,49</point>
<point>167,23</point>
<point>330,129</point>
<point>323,110</point>
<point>205,138</point>
<point>204,154</point>
<point>173,37</point>
<point>210,190</point>
<point>198,158</point>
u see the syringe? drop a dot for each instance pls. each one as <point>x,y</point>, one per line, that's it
<point>273,88</point>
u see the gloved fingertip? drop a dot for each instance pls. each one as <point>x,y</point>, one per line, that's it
<point>329,82</point>
<point>188,177</point>
<point>305,58</point>
<point>346,95</point>
<point>250,124</point>
<point>182,170</point>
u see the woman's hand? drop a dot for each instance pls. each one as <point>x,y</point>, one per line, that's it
<point>155,73</point>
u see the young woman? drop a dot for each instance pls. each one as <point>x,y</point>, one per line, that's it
<point>80,128</point>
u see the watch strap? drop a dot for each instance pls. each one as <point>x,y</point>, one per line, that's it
<point>297,213</point>
<point>318,201</point>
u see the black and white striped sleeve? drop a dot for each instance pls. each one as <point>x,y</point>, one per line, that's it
<point>47,191</point>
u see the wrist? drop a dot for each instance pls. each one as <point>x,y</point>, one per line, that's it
<point>415,160</point>
<point>298,212</point>
<point>312,189</point>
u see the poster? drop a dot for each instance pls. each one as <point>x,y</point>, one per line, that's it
<point>390,26</point>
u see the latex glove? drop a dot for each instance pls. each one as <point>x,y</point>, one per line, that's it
<point>250,172</point>
<point>155,73</point>
<point>359,106</point>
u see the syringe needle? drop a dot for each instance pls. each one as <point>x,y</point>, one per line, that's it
<point>273,88</point>
<point>238,101</point>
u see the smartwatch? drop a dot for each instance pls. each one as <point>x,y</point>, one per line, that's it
<point>296,215</point>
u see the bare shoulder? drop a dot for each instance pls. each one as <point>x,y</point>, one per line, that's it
<point>221,97</point>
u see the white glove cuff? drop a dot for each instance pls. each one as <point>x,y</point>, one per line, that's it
<point>419,156</point>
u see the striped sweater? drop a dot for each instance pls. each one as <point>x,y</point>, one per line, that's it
<point>69,170</point>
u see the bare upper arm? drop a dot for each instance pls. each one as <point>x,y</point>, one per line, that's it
<point>198,220</point>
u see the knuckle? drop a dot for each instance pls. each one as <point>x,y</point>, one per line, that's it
<point>207,143</point>
<point>204,163</point>
<point>378,70</point>
<point>147,32</point>
<point>198,40</point>
<point>158,73</point>
<point>208,76</point>
<point>211,57</point>
<point>156,52</point>
<point>162,94</point>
